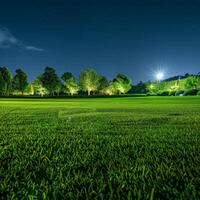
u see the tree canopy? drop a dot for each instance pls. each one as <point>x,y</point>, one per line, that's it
<point>5,81</point>
<point>122,83</point>
<point>50,80</point>
<point>71,83</point>
<point>20,80</point>
<point>89,80</point>
<point>192,82</point>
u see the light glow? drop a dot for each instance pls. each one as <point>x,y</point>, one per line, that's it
<point>159,75</point>
<point>151,86</point>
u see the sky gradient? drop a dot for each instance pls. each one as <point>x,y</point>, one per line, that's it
<point>135,37</point>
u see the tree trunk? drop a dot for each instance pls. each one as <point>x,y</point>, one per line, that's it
<point>89,92</point>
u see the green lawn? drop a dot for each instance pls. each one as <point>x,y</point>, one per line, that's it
<point>112,148</point>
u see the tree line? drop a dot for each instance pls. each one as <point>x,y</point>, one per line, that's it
<point>49,83</point>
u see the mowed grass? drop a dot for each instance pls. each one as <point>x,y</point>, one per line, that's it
<point>112,148</point>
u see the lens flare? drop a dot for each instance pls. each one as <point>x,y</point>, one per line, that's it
<point>159,75</point>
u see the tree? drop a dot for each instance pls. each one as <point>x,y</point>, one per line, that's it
<point>50,80</point>
<point>109,89</point>
<point>122,83</point>
<point>58,88</point>
<point>70,83</point>
<point>65,76</point>
<point>89,80</point>
<point>38,88</point>
<point>1,85</point>
<point>192,82</point>
<point>103,83</point>
<point>29,89</point>
<point>141,88</point>
<point>20,81</point>
<point>5,81</point>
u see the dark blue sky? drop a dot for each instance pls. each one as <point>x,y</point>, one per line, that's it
<point>135,37</point>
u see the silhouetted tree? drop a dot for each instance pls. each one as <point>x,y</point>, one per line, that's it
<point>5,81</point>
<point>140,88</point>
<point>1,85</point>
<point>50,80</point>
<point>65,76</point>
<point>103,83</point>
<point>186,75</point>
<point>20,80</point>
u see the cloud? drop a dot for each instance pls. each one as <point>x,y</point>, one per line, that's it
<point>8,40</point>
<point>32,48</point>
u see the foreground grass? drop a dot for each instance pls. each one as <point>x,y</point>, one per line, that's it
<point>142,148</point>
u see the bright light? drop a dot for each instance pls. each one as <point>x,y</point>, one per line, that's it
<point>159,76</point>
<point>151,86</point>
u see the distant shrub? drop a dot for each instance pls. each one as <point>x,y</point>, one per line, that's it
<point>198,93</point>
<point>191,92</point>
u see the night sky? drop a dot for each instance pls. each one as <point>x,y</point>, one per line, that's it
<point>135,37</point>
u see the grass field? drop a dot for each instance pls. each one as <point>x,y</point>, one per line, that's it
<point>113,148</point>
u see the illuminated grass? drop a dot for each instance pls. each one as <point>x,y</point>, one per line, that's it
<point>143,148</point>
